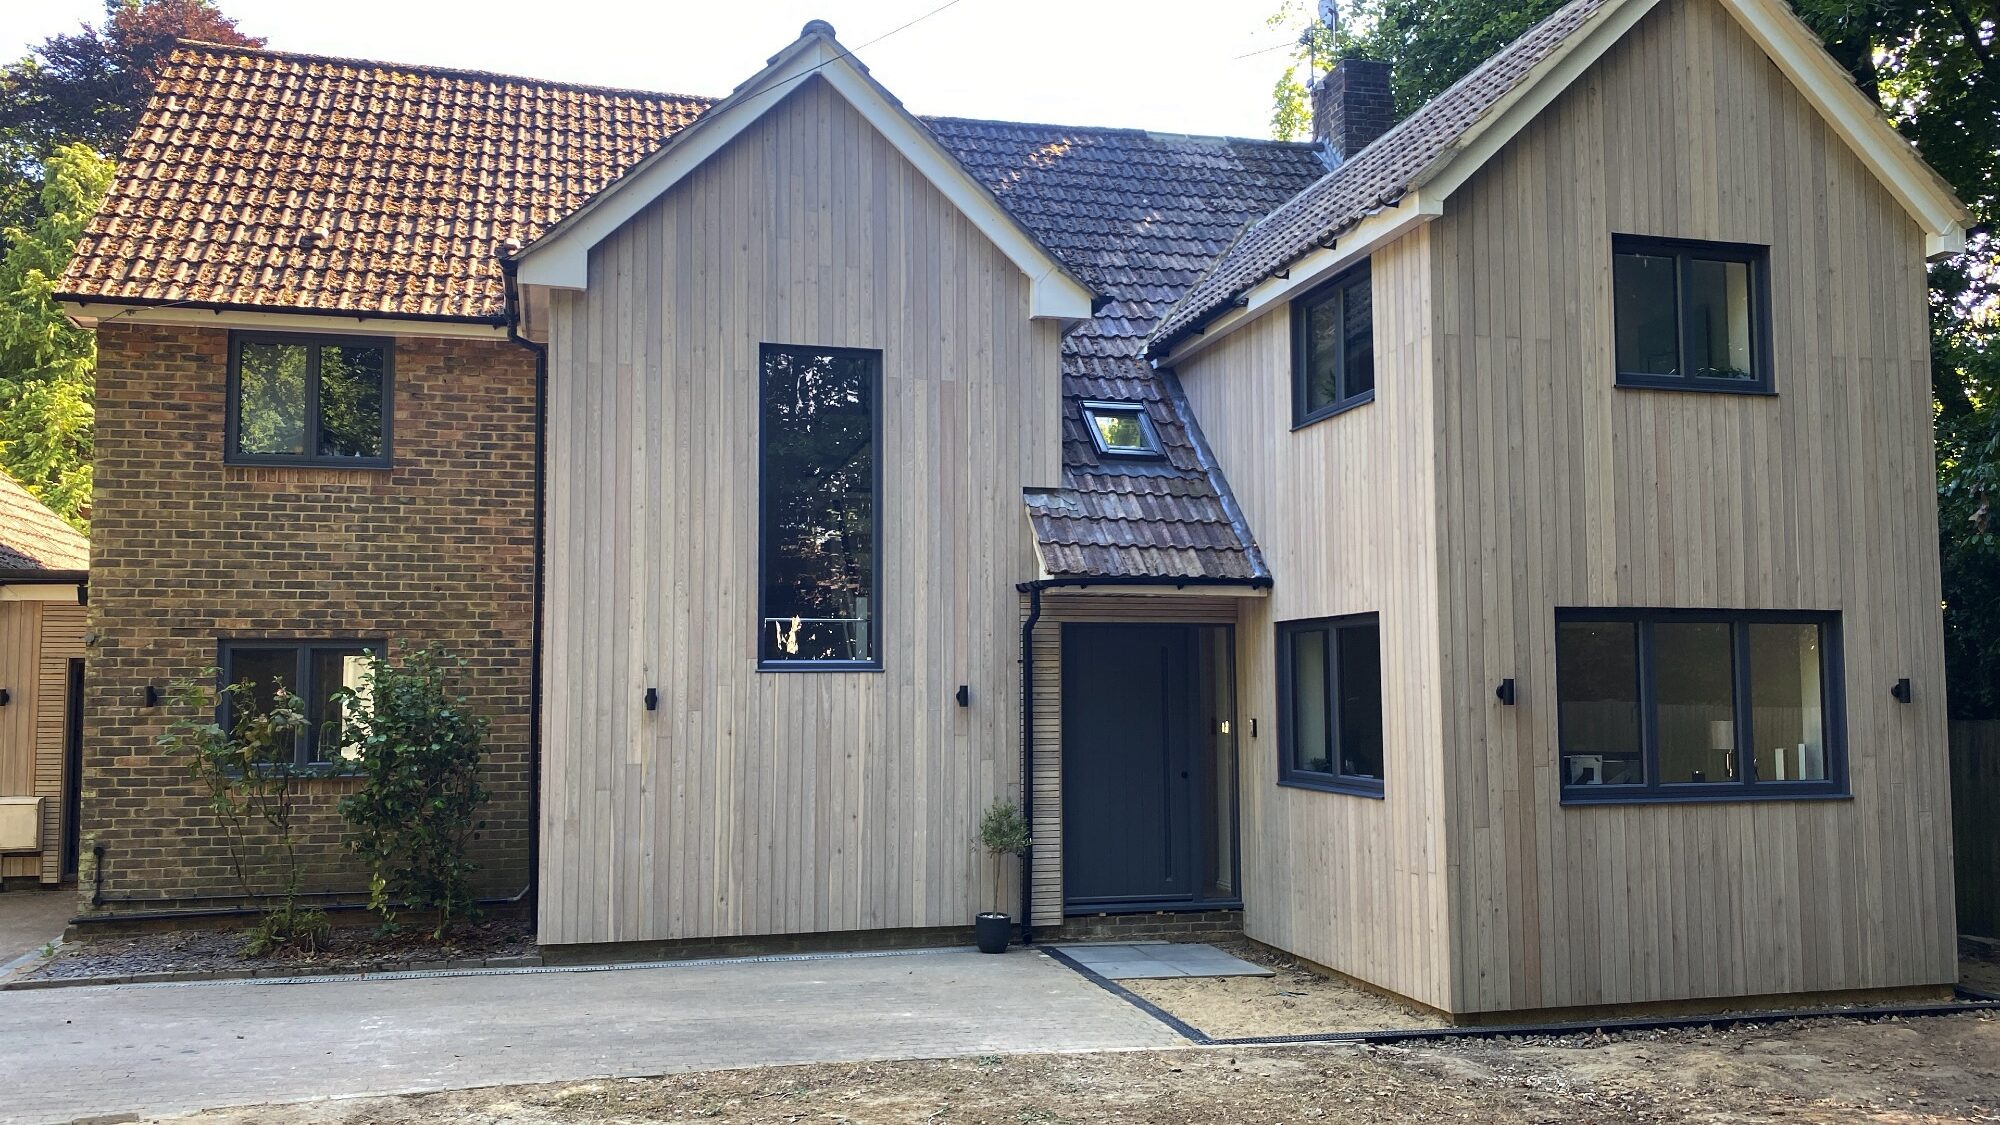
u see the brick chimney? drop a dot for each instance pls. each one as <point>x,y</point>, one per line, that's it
<point>1352,106</point>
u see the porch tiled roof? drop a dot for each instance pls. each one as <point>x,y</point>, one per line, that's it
<point>418,175</point>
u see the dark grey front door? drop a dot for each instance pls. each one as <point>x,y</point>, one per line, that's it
<point>1129,697</point>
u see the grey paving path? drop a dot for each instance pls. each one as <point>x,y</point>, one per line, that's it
<point>71,1052</point>
<point>30,919</point>
<point>1159,960</point>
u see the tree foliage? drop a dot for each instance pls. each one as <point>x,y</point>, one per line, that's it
<point>1932,67</point>
<point>88,86</point>
<point>47,366</point>
<point>416,743</point>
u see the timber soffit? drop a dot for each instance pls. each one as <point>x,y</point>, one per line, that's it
<point>1422,159</point>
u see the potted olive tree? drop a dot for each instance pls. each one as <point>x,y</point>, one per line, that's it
<point>1003,833</point>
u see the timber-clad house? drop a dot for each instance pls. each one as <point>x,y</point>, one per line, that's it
<point>1494,551</point>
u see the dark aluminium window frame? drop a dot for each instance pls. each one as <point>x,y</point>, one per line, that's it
<point>1362,271</point>
<point>1332,781</point>
<point>1681,250</point>
<point>1153,450</point>
<point>875,608</point>
<point>302,754</point>
<point>313,341</point>
<point>1833,703</point>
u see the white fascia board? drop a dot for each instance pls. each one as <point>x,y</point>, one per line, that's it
<point>94,314</point>
<point>1859,122</point>
<point>561,258</point>
<point>1367,236</point>
<point>65,593</point>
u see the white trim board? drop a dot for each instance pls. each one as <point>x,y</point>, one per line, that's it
<point>94,314</point>
<point>560,259</point>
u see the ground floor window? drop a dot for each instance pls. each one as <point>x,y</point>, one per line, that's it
<point>1660,705</point>
<point>311,670</point>
<point>1330,704</point>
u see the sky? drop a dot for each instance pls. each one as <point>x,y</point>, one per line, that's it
<point>1172,66</point>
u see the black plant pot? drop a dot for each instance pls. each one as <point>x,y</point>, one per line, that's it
<point>990,930</point>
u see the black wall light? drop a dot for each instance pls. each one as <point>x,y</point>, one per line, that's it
<point>1901,692</point>
<point>152,696</point>
<point>1505,692</point>
<point>6,697</point>
<point>652,699</point>
<point>964,696</point>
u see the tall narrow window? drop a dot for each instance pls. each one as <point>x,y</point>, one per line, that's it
<point>1657,705</point>
<point>1690,315</point>
<point>1333,347</point>
<point>820,479</point>
<point>308,399</point>
<point>1330,704</point>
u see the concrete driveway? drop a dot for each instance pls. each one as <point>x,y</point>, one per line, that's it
<point>72,1052</point>
<point>30,920</point>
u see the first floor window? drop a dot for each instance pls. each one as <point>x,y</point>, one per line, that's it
<point>1333,346</point>
<point>820,488</point>
<point>1689,315</point>
<point>1698,704</point>
<point>314,672</point>
<point>308,399</point>
<point>1330,705</point>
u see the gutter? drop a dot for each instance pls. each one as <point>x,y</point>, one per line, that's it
<point>78,578</point>
<point>1034,591</point>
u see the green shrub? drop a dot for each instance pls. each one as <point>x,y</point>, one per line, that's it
<point>416,744</point>
<point>251,773</point>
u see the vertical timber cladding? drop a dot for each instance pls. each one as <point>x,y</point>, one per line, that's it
<point>1343,510</point>
<point>755,802</point>
<point>37,640</point>
<point>1558,490</point>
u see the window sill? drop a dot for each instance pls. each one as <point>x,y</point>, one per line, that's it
<point>1349,788</point>
<point>1695,386</point>
<point>1333,411</point>
<point>306,463</point>
<point>1736,795</point>
<point>819,666</point>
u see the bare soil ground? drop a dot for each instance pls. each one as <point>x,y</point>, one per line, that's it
<point>1930,1069</point>
<point>1297,1001</point>
<point>354,947</point>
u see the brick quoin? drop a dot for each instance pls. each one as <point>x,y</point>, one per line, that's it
<point>186,551</point>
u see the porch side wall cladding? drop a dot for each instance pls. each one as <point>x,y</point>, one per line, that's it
<point>186,551</point>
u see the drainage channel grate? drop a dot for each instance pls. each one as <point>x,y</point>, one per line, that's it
<point>526,970</point>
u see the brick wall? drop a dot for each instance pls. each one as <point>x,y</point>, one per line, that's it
<point>186,551</point>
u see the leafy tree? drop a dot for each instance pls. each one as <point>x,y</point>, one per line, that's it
<point>88,87</point>
<point>1932,67</point>
<point>47,366</point>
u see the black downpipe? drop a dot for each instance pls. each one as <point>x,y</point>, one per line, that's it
<point>1034,590</point>
<point>541,353</point>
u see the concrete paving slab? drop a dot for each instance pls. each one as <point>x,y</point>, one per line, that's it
<point>162,1048</point>
<point>1161,960</point>
<point>31,919</point>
